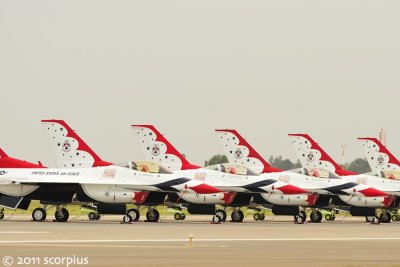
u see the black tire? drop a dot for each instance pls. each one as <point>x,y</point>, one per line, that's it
<point>127,219</point>
<point>2,215</point>
<point>221,214</point>
<point>134,213</point>
<point>262,218</point>
<point>257,216</point>
<point>177,216</point>
<point>385,217</point>
<point>92,216</point>
<point>152,215</point>
<point>369,218</point>
<point>216,219</point>
<point>183,216</point>
<point>316,216</point>
<point>97,216</point>
<point>333,218</point>
<point>375,220</point>
<point>395,217</point>
<point>328,217</point>
<point>303,216</point>
<point>62,215</point>
<point>237,216</point>
<point>39,214</point>
<point>298,219</point>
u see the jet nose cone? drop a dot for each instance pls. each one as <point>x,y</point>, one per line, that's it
<point>291,190</point>
<point>371,192</point>
<point>205,189</point>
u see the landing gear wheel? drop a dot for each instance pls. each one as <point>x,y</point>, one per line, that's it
<point>316,216</point>
<point>134,213</point>
<point>39,214</point>
<point>328,217</point>
<point>237,216</point>
<point>127,218</point>
<point>2,214</point>
<point>375,220</point>
<point>385,217</point>
<point>369,218</point>
<point>301,217</point>
<point>216,219</point>
<point>183,216</point>
<point>257,216</point>
<point>92,216</point>
<point>395,217</point>
<point>62,215</point>
<point>221,214</point>
<point>152,215</point>
<point>262,216</point>
<point>97,217</point>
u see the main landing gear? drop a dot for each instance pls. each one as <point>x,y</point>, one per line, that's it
<point>220,216</point>
<point>237,215</point>
<point>61,215</point>
<point>384,217</point>
<point>301,217</point>
<point>132,215</point>
<point>372,219</point>
<point>316,216</point>
<point>39,214</point>
<point>152,215</point>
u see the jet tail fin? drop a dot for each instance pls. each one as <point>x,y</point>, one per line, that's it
<point>239,151</point>
<point>70,149</point>
<point>311,155</point>
<point>157,148</point>
<point>380,159</point>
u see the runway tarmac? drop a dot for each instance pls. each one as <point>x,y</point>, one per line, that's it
<point>346,242</point>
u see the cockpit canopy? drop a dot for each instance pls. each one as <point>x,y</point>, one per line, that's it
<point>232,169</point>
<point>314,172</point>
<point>148,166</point>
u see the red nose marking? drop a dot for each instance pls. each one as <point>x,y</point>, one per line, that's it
<point>291,190</point>
<point>205,189</point>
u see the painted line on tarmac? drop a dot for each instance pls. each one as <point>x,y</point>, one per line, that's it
<point>200,240</point>
<point>22,232</point>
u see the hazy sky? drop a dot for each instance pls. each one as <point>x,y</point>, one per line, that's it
<point>266,68</point>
